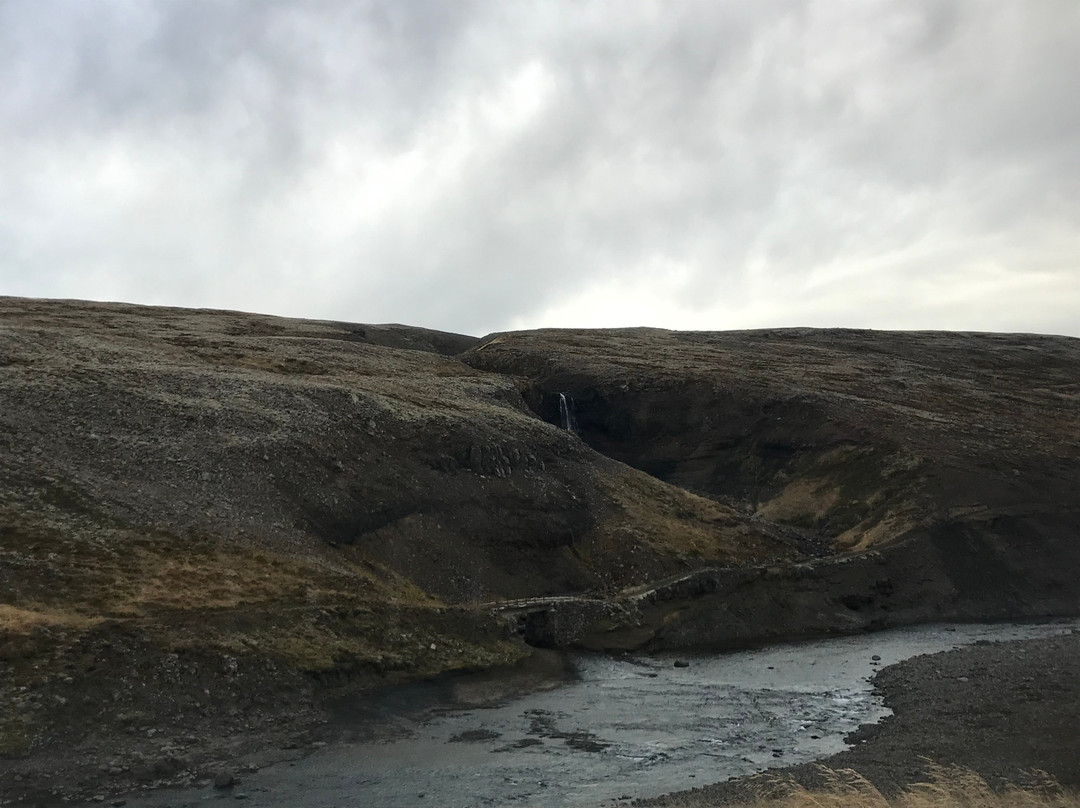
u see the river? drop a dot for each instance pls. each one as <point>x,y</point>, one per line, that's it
<point>625,726</point>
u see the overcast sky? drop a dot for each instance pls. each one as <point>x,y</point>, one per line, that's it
<point>481,166</point>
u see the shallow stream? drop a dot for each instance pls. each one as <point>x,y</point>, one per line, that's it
<point>627,726</point>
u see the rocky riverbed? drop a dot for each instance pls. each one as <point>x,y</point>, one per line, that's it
<point>636,726</point>
<point>1001,709</point>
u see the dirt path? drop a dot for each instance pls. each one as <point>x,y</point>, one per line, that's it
<point>999,709</point>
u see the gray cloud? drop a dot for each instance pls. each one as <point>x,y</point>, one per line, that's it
<point>483,165</point>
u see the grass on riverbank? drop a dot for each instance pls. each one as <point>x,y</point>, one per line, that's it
<point>944,787</point>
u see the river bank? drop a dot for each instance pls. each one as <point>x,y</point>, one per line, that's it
<point>1000,709</point>
<point>622,726</point>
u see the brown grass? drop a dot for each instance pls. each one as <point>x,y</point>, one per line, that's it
<point>944,787</point>
<point>219,576</point>
<point>673,520</point>
<point>804,500</point>
<point>17,620</point>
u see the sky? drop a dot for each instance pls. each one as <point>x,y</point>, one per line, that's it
<point>485,165</point>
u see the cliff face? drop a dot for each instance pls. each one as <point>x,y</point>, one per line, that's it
<point>348,500</point>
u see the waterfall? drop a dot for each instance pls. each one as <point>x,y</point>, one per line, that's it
<point>567,419</point>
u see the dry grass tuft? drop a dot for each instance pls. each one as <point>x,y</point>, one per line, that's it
<point>945,787</point>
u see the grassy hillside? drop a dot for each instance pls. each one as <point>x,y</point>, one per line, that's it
<point>198,505</point>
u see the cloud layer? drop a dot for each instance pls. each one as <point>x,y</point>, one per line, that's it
<point>484,165</point>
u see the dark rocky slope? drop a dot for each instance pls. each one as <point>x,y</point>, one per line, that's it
<point>209,518</point>
<point>952,455</point>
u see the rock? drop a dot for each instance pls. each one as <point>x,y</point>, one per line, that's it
<point>876,658</point>
<point>476,459</point>
<point>159,769</point>
<point>224,779</point>
<point>474,735</point>
<point>679,663</point>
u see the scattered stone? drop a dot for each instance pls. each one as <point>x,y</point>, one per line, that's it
<point>585,742</point>
<point>523,743</point>
<point>876,658</point>
<point>224,779</point>
<point>475,735</point>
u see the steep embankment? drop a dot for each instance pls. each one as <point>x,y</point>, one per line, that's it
<point>205,517</point>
